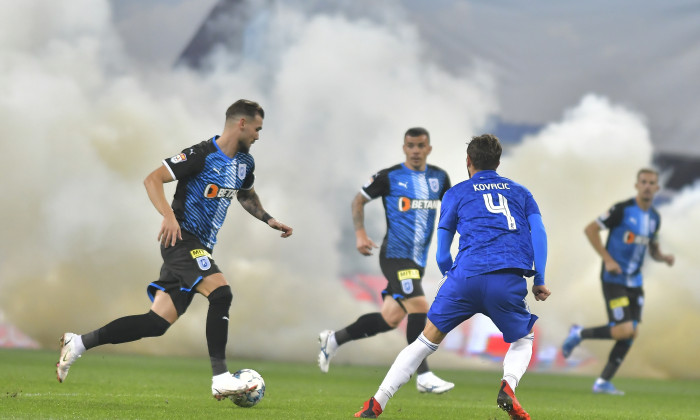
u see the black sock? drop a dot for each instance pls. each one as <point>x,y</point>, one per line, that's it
<point>415,326</point>
<point>617,355</point>
<point>217,327</point>
<point>125,329</point>
<point>601,333</point>
<point>366,326</point>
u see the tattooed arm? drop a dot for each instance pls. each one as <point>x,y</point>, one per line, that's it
<point>250,201</point>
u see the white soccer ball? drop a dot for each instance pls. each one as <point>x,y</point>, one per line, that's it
<point>252,397</point>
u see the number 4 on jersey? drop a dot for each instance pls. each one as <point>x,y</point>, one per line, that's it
<point>502,208</point>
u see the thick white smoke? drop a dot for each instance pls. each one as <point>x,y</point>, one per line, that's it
<point>577,168</point>
<point>82,127</point>
<point>86,127</point>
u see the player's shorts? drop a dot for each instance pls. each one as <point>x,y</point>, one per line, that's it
<point>403,278</point>
<point>623,303</point>
<point>184,265</point>
<point>500,295</point>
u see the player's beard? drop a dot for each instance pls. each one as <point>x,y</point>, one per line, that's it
<point>243,147</point>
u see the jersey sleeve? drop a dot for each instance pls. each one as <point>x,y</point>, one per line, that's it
<point>249,180</point>
<point>447,226</point>
<point>612,217</point>
<point>448,212</point>
<point>377,186</point>
<point>654,235</point>
<point>447,185</point>
<point>531,206</point>
<point>538,236</point>
<point>185,164</point>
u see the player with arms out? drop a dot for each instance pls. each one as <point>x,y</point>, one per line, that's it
<point>209,174</point>
<point>411,192</point>
<point>633,226</point>
<point>501,237</point>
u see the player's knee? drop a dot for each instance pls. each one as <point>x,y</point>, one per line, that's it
<point>393,320</point>
<point>221,296</point>
<point>157,325</point>
<point>629,333</point>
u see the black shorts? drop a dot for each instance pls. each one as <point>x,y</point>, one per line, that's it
<point>184,265</point>
<point>403,278</point>
<point>623,303</point>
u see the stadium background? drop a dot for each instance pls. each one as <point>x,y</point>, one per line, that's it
<point>95,93</point>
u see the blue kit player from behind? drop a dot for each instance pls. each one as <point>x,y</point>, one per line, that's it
<point>502,240</point>
<point>633,226</point>
<point>210,175</point>
<point>411,194</point>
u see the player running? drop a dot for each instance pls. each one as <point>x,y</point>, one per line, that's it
<point>501,236</point>
<point>633,225</point>
<point>411,193</point>
<point>210,175</point>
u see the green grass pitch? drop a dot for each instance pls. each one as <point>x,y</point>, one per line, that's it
<point>109,386</point>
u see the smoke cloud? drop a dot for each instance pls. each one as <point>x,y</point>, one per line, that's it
<point>82,127</point>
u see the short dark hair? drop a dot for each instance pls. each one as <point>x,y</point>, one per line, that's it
<point>484,151</point>
<point>246,108</point>
<point>647,171</point>
<point>417,132</point>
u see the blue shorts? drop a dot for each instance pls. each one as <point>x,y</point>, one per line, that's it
<point>500,295</point>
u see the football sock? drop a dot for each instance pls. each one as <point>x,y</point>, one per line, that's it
<point>126,329</point>
<point>217,327</point>
<point>414,326</point>
<point>617,355</point>
<point>403,367</point>
<point>517,359</point>
<point>600,333</point>
<point>366,326</point>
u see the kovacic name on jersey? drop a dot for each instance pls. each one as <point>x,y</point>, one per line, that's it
<point>496,186</point>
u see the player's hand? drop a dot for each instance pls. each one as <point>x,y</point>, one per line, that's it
<point>669,260</point>
<point>365,245</point>
<point>611,266</point>
<point>169,230</point>
<point>286,230</point>
<point>541,292</point>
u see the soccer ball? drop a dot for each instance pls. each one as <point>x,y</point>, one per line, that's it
<point>252,397</point>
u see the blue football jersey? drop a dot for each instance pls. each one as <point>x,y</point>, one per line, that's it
<point>411,199</point>
<point>631,231</point>
<point>207,181</point>
<point>490,213</point>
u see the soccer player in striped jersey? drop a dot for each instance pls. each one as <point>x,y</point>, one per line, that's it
<point>633,226</point>
<point>411,193</point>
<point>501,237</point>
<point>209,176</point>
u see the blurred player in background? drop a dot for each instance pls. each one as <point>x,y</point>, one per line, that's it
<point>501,236</point>
<point>210,175</point>
<point>633,225</point>
<point>411,192</point>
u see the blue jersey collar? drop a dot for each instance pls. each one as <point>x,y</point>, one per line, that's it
<point>412,170</point>
<point>485,174</point>
<point>221,152</point>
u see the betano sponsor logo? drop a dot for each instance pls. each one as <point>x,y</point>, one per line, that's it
<point>214,191</point>
<point>630,238</point>
<point>406,204</point>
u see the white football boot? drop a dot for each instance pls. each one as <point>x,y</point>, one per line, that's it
<point>429,382</point>
<point>328,348</point>
<point>225,384</point>
<point>71,350</point>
